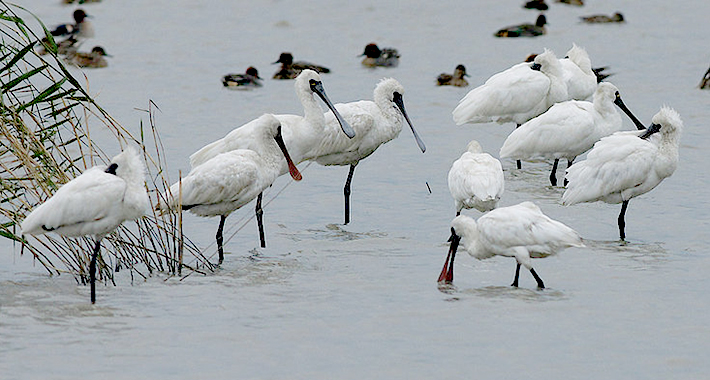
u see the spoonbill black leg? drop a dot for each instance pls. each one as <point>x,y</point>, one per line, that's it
<point>346,191</point>
<point>260,220</point>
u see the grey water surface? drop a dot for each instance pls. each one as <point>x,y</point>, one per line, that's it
<point>328,301</point>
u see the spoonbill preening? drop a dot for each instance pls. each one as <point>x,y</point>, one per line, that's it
<point>476,180</point>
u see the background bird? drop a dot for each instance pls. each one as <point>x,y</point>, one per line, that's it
<point>94,203</point>
<point>290,69</point>
<point>249,79</point>
<point>456,79</point>
<point>627,164</point>
<point>521,231</point>
<point>600,19</point>
<point>374,56</point>
<point>525,30</point>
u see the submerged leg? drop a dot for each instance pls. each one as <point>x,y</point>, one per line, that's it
<point>518,163</point>
<point>222,218</point>
<point>517,275</point>
<point>346,191</point>
<point>260,220</point>
<point>553,174</point>
<point>92,270</point>
<point>622,223</point>
<point>540,284</point>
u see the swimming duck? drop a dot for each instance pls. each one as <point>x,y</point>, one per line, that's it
<point>455,79</point>
<point>374,56</point>
<point>536,4</point>
<point>290,69</point>
<point>64,47</point>
<point>599,19</point>
<point>250,78</point>
<point>81,28</point>
<point>578,3</point>
<point>525,30</point>
<point>94,59</point>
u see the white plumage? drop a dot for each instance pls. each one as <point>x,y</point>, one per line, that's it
<point>521,231</point>
<point>375,123</point>
<point>94,203</point>
<point>515,95</point>
<point>579,78</point>
<point>234,178</point>
<point>627,164</point>
<point>566,130</point>
<point>300,133</point>
<point>476,180</point>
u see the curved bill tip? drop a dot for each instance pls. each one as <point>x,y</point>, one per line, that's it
<point>295,174</point>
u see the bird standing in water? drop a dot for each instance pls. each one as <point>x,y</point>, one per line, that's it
<point>94,203</point>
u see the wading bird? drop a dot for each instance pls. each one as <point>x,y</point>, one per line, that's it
<point>375,123</point>
<point>94,203</point>
<point>626,164</point>
<point>566,130</point>
<point>232,179</point>
<point>476,180</point>
<point>521,231</point>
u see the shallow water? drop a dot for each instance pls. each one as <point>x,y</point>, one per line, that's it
<point>360,301</point>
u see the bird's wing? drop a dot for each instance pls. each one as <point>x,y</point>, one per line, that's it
<point>617,162</point>
<point>87,198</point>
<point>514,91</point>
<point>565,127</point>
<point>239,138</point>
<point>225,178</point>
<point>334,141</point>
<point>524,225</point>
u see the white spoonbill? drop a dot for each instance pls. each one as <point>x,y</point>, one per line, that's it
<point>566,130</point>
<point>626,164</point>
<point>300,133</point>
<point>580,79</point>
<point>521,231</point>
<point>94,203</point>
<point>515,95</point>
<point>232,179</point>
<point>375,123</point>
<point>476,180</point>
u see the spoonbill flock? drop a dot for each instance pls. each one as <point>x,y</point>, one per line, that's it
<point>547,99</point>
<point>560,108</point>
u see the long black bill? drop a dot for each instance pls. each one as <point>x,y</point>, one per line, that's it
<point>654,128</point>
<point>447,272</point>
<point>620,104</point>
<point>317,87</point>
<point>400,103</point>
<point>295,174</point>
